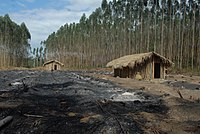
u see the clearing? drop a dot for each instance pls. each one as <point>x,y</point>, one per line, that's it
<point>95,102</point>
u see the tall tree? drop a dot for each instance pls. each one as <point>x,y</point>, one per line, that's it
<point>14,43</point>
<point>121,27</point>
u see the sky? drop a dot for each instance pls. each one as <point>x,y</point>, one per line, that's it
<point>42,17</point>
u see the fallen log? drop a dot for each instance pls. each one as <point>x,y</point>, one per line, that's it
<point>5,121</point>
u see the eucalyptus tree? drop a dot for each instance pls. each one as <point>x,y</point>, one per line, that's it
<point>41,55</point>
<point>120,27</point>
<point>14,43</point>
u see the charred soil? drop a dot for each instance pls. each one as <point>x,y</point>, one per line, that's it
<point>71,102</point>
<point>179,93</point>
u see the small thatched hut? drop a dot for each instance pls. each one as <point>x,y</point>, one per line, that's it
<point>53,65</point>
<point>149,65</point>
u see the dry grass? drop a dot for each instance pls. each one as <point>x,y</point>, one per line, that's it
<point>58,62</point>
<point>13,68</point>
<point>9,104</point>
<point>88,118</point>
<point>71,114</point>
<point>38,68</point>
<point>136,59</point>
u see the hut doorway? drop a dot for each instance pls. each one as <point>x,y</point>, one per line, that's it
<point>55,67</point>
<point>157,70</point>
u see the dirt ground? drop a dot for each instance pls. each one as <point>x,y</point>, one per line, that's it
<point>70,102</point>
<point>95,102</point>
<point>181,94</point>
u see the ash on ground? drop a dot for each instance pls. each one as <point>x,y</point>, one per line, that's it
<point>69,102</point>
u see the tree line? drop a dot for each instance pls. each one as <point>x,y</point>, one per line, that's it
<point>38,57</point>
<point>121,27</point>
<point>14,43</point>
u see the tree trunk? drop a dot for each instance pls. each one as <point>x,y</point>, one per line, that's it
<point>193,37</point>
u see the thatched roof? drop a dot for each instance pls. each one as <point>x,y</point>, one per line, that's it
<point>51,61</point>
<point>136,59</point>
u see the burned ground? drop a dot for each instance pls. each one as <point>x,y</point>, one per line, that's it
<point>183,85</point>
<point>69,102</point>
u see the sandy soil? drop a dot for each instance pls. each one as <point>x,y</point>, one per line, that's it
<point>183,114</point>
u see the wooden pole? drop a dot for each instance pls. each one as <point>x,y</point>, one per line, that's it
<point>178,91</point>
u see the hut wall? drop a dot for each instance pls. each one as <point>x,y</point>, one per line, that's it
<point>147,70</point>
<point>51,66</point>
<point>162,71</point>
<point>48,66</point>
<point>140,68</point>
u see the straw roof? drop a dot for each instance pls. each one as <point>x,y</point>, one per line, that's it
<point>51,61</point>
<point>136,59</point>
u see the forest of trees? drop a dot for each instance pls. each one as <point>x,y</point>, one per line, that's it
<point>38,56</point>
<point>121,27</point>
<point>14,43</point>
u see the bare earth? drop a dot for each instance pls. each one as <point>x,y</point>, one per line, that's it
<point>183,116</point>
<point>95,102</point>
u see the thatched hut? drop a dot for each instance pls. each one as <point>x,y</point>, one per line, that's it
<point>53,65</point>
<point>149,65</point>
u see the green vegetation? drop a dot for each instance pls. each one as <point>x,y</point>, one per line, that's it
<point>121,27</point>
<point>14,43</point>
